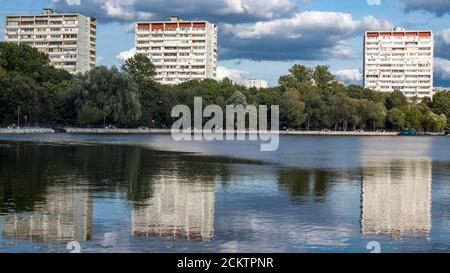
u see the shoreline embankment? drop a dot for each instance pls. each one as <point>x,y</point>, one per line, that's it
<point>105,131</point>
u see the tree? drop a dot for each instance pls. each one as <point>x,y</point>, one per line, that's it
<point>434,123</point>
<point>237,99</point>
<point>441,104</point>
<point>141,69</point>
<point>301,73</point>
<point>396,119</point>
<point>24,59</point>
<point>315,107</point>
<point>396,99</point>
<point>322,76</point>
<point>292,109</point>
<point>341,110</point>
<point>106,95</point>
<point>376,114</point>
<point>21,91</point>
<point>413,117</point>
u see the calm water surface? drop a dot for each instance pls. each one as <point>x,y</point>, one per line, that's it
<point>144,193</point>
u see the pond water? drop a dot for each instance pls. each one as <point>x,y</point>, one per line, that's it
<point>148,193</point>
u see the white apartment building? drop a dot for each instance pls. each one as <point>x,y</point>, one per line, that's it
<point>180,50</point>
<point>399,60</point>
<point>256,84</point>
<point>69,39</point>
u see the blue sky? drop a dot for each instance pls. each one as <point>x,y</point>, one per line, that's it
<point>263,38</point>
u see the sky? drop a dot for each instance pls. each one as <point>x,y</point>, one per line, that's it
<point>262,39</point>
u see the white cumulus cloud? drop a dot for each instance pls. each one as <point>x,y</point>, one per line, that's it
<point>125,55</point>
<point>374,2</point>
<point>442,68</point>
<point>73,2</point>
<point>237,76</point>
<point>332,24</point>
<point>351,75</point>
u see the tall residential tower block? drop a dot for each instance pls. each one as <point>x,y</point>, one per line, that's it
<point>180,50</point>
<point>69,39</point>
<point>401,60</point>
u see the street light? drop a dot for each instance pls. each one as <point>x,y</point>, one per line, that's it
<point>18,117</point>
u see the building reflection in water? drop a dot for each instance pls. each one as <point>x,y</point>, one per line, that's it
<point>178,209</point>
<point>396,198</point>
<point>65,215</point>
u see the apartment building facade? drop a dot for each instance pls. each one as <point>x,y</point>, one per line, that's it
<point>399,59</point>
<point>69,39</point>
<point>258,84</point>
<point>180,50</point>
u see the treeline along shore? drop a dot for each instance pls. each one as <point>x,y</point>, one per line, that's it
<point>35,94</point>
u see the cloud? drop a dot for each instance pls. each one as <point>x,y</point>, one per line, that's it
<point>374,2</point>
<point>442,44</point>
<point>309,35</point>
<point>437,7</point>
<point>441,72</point>
<point>237,76</point>
<point>349,75</point>
<point>125,55</point>
<point>248,29</point>
<point>73,2</point>
<point>100,59</point>
<point>308,23</point>
<point>222,10</point>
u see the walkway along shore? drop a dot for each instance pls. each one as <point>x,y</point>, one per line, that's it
<point>168,131</point>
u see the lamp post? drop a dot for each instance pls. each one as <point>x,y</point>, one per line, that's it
<point>18,117</point>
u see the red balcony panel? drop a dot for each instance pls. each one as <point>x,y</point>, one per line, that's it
<point>143,26</point>
<point>199,24</point>
<point>157,26</point>
<point>185,24</point>
<point>425,34</point>
<point>171,25</point>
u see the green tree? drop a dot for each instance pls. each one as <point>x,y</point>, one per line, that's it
<point>237,99</point>
<point>441,104</point>
<point>301,73</point>
<point>141,70</point>
<point>315,108</point>
<point>16,91</point>
<point>106,95</point>
<point>292,110</point>
<point>322,76</point>
<point>432,122</point>
<point>376,114</point>
<point>396,99</point>
<point>413,117</point>
<point>396,119</point>
<point>341,110</point>
<point>24,59</point>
